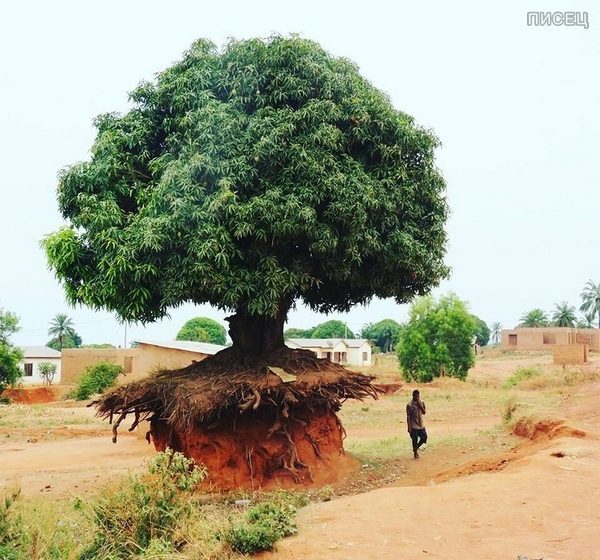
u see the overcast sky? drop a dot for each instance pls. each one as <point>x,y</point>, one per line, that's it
<point>517,109</point>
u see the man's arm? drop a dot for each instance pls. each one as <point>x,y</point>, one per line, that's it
<point>422,407</point>
<point>408,417</point>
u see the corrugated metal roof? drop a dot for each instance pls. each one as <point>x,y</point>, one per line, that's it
<point>327,342</point>
<point>187,345</point>
<point>39,352</point>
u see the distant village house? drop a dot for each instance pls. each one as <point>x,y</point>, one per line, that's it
<point>33,356</point>
<point>345,351</point>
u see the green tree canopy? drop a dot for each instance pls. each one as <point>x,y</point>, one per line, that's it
<point>437,340</point>
<point>332,329</point>
<point>294,332</point>
<point>481,332</point>
<point>564,315</point>
<point>249,177</point>
<point>591,300</point>
<point>10,355</point>
<point>70,340</point>
<point>384,334</point>
<point>202,329</point>
<point>535,318</point>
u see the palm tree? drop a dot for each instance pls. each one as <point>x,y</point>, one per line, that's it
<point>60,327</point>
<point>585,322</point>
<point>564,315</point>
<point>535,318</point>
<point>591,300</point>
<point>496,332</point>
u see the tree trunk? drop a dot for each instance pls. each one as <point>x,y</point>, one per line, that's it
<point>255,335</point>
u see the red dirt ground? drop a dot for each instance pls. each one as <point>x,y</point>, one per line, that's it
<point>30,395</point>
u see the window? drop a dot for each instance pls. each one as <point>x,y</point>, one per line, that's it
<point>27,369</point>
<point>328,355</point>
<point>512,339</point>
<point>365,356</point>
<point>549,338</point>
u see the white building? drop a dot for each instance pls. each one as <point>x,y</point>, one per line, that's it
<point>346,351</point>
<point>33,356</point>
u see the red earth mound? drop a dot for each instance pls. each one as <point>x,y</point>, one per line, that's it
<point>30,395</point>
<point>256,451</point>
<point>535,429</point>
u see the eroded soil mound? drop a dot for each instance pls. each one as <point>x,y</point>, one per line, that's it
<point>535,429</point>
<point>33,395</point>
<point>259,451</point>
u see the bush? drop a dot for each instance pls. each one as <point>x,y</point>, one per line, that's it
<point>12,534</point>
<point>264,525</point>
<point>96,379</point>
<point>521,374</point>
<point>144,513</point>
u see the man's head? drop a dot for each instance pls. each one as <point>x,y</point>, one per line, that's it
<point>416,395</point>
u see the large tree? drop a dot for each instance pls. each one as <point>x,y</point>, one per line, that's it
<point>250,178</point>
<point>591,300</point>
<point>437,340</point>
<point>10,355</point>
<point>564,315</point>
<point>384,334</point>
<point>202,329</point>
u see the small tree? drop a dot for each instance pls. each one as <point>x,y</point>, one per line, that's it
<point>496,332</point>
<point>384,334</point>
<point>10,356</point>
<point>61,329</point>
<point>481,332</point>
<point>535,318</point>
<point>437,340</point>
<point>591,300</point>
<point>332,329</point>
<point>202,329</point>
<point>47,371</point>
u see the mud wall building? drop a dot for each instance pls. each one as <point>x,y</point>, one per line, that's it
<point>544,338</point>
<point>136,362</point>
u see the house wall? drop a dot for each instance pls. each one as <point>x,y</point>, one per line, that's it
<point>36,378</point>
<point>136,362</point>
<point>356,358</point>
<point>569,354</point>
<point>540,339</point>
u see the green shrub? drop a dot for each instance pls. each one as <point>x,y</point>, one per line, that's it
<point>144,513</point>
<point>12,535</point>
<point>265,524</point>
<point>96,379</point>
<point>521,374</point>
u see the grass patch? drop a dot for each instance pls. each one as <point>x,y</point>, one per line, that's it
<point>521,374</point>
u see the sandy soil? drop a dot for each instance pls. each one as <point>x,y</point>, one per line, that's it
<point>475,494</point>
<point>540,500</point>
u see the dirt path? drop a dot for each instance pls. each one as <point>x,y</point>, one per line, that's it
<point>70,466</point>
<point>539,500</point>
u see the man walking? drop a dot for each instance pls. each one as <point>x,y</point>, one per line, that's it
<point>415,410</point>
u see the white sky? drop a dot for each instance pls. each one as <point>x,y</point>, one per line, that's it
<point>517,109</point>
